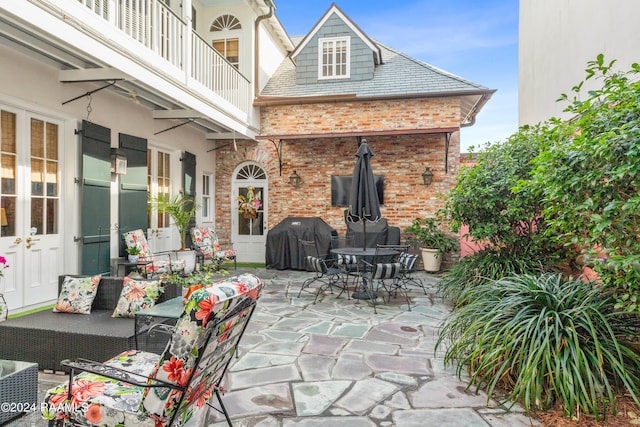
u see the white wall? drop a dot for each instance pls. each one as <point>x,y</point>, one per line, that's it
<point>34,86</point>
<point>559,37</point>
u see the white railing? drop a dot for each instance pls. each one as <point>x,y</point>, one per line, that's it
<point>212,70</point>
<point>154,25</point>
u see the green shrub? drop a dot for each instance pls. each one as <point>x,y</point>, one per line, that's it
<point>477,269</point>
<point>544,341</point>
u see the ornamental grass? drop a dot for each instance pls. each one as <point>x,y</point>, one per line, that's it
<point>544,340</point>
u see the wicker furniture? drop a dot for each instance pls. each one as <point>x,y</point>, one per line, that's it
<point>137,388</point>
<point>18,388</point>
<point>166,313</point>
<point>46,338</point>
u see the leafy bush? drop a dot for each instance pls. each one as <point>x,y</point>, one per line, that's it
<point>483,266</point>
<point>428,235</point>
<point>544,341</point>
<point>589,178</point>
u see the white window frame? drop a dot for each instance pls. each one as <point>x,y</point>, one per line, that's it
<point>207,197</point>
<point>332,42</point>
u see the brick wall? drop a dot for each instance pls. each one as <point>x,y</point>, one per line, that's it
<point>400,158</point>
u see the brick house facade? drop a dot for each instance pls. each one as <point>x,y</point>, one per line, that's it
<point>409,112</point>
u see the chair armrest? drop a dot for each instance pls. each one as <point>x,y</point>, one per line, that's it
<point>85,365</point>
<point>162,328</point>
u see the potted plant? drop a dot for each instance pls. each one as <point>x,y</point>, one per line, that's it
<point>181,210</point>
<point>433,242</point>
<point>133,254</point>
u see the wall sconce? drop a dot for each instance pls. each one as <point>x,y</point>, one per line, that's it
<point>118,162</point>
<point>295,180</point>
<point>427,176</point>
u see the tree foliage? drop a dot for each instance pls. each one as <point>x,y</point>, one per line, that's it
<point>588,178</point>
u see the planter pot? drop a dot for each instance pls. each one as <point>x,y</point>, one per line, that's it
<point>430,261</point>
<point>189,258</point>
<point>133,258</point>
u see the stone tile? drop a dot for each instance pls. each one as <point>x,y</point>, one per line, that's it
<point>275,335</point>
<point>447,392</point>
<point>365,395</point>
<point>399,364</point>
<point>500,418</point>
<point>262,376</point>
<point>287,324</point>
<point>282,348</point>
<point>362,346</point>
<point>255,360</point>
<point>350,367</point>
<point>329,422</point>
<point>394,333</point>
<point>259,400</point>
<point>400,379</point>
<point>314,367</point>
<point>398,401</point>
<point>438,417</point>
<point>320,328</point>
<point>324,345</point>
<point>313,398</point>
<point>350,330</point>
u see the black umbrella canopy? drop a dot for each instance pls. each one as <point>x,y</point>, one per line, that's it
<point>363,198</point>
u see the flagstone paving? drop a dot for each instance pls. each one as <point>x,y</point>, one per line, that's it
<point>337,363</point>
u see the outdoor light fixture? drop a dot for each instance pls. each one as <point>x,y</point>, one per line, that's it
<point>295,180</point>
<point>427,176</point>
<point>118,162</point>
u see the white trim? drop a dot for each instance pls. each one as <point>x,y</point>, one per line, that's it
<point>209,178</point>
<point>334,41</point>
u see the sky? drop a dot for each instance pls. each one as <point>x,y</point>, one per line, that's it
<point>476,40</point>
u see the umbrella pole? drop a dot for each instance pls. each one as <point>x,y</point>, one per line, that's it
<point>364,234</point>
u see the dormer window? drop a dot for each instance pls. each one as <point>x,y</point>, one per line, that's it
<point>333,58</point>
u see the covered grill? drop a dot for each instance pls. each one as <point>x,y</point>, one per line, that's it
<point>284,251</point>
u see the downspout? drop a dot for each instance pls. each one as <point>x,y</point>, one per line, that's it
<point>256,41</point>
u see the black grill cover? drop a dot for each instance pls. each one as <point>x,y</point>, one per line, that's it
<point>284,251</point>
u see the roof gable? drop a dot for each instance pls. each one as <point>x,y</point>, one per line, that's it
<point>334,10</point>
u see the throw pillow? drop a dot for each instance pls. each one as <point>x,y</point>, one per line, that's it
<point>77,294</point>
<point>137,295</point>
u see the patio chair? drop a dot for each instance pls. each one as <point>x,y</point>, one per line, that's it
<point>207,247</point>
<point>348,264</point>
<point>383,271</point>
<point>408,262</point>
<point>153,264</point>
<point>137,388</point>
<point>324,271</point>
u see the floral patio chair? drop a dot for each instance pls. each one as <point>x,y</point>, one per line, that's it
<point>206,244</point>
<point>138,388</point>
<point>154,264</point>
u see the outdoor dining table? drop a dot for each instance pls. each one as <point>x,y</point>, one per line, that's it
<point>369,255</point>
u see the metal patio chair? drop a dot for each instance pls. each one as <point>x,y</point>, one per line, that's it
<point>325,272</point>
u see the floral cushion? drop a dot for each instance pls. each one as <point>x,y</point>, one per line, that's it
<point>137,295</point>
<point>178,361</point>
<point>206,241</point>
<point>137,238</point>
<point>101,401</point>
<point>77,294</point>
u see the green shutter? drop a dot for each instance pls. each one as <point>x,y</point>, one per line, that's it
<point>189,185</point>
<point>96,191</point>
<point>132,195</point>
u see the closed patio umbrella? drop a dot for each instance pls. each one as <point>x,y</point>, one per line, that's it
<point>363,198</point>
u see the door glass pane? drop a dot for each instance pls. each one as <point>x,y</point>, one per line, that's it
<point>52,216</point>
<point>52,179</point>
<point>8,174</point>
<point>250,211</point>
<point>37,213</point>
<point>37,177</point>
<point>52,141</point>
<point>37,138</point>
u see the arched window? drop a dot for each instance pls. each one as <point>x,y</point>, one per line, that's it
<point>251,172</point>
<point>225,22</point>
<point>229,47</point>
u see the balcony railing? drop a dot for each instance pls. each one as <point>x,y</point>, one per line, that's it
<point>152,24</point>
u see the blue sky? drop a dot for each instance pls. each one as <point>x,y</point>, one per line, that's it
<point>476,40</point>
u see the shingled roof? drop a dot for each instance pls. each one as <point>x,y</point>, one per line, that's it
<point>398,76</point>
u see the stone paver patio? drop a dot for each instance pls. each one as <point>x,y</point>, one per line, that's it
<point>308,365</point>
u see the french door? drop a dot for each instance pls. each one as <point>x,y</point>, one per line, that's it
<point>159,233</point>
<point>30,206</point>
<point>249,229</point>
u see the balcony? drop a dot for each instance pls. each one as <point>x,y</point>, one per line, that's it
<point>143,39</point>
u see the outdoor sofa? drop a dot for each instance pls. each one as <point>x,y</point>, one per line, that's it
<point>47,338</point>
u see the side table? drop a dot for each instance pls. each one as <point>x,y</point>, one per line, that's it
<point>18,388</point>
<point>166,312</point>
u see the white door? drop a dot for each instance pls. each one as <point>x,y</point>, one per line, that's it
<point>249,226</point>
<point>30,201</point>
<point>160,233</point>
